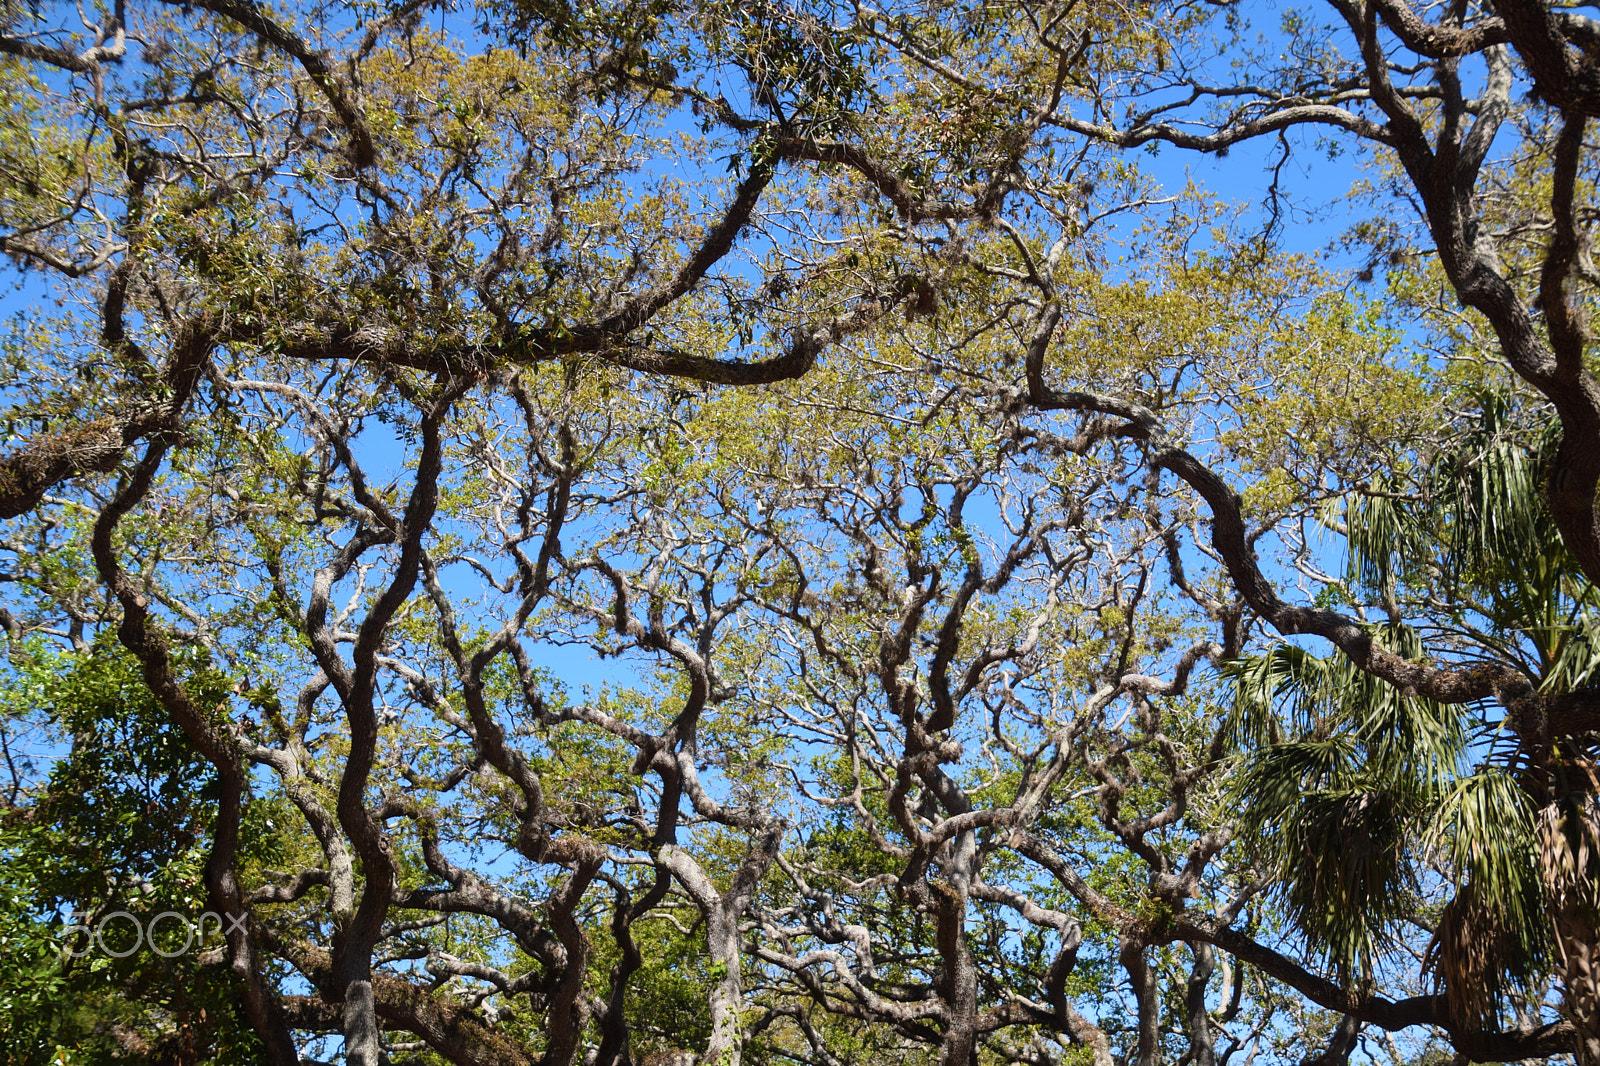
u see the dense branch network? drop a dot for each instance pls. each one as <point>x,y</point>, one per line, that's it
<point>389,390</point>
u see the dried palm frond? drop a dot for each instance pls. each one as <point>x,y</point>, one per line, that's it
<point>1466,958</point>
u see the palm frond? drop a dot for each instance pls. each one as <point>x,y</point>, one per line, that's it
<point>1493,941</point>
<point>1346,875</point>
<point>1341,772</point>
<point>1283,677</point>
<point>1380,533</point>
<point>1484,828</point>
<point>1568,835</point>
<point>1575,657</point>
<point>1349,788</point>
<point>1288,692</point>
<point>1488,499</point>
<point>1273,780</point>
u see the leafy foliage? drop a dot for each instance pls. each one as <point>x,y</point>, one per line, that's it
<point>118,827</point>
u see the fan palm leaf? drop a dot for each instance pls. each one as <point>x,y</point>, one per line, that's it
<point>1335,812</point>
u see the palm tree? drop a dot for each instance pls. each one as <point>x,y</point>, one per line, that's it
<point>1358,795</point>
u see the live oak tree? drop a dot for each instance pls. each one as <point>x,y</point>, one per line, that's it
<point>1475,118</point>
<point>384,370</point>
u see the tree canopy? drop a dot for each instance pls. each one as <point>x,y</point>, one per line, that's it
<point>655,532</point>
